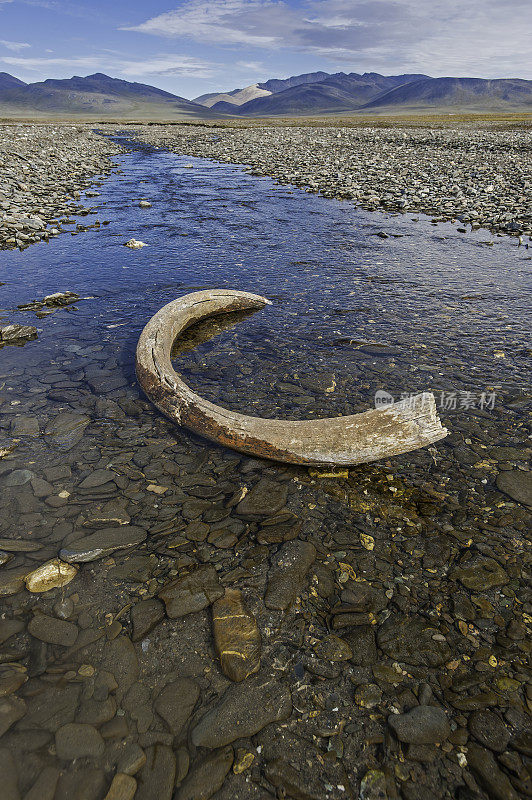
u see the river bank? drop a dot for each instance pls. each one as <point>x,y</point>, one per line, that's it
<point>477,177</point>
<point>43,170</point>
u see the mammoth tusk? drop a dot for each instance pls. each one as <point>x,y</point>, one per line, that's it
<point>355,439</point>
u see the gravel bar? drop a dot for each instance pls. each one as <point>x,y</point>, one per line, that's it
<point>43,170</point>
<point>475,177</point>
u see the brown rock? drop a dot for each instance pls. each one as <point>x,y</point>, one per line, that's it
<point>176,703</point>
<point>243,710</point>
<point>286,578</point>
<point>53,630</point>
<point>191,593</point>
<point>123,787</point>
<point>206,777</point>
<point>11,710</point>
<point>236,636</point>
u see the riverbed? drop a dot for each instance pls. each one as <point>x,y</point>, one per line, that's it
<point>409,588</point>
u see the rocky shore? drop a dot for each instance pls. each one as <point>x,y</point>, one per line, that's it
<point>473,176</point>
<point>43,170</point>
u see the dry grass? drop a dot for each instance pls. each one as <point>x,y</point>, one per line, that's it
<point>495,121</point>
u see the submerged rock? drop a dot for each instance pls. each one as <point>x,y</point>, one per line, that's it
<point>287,575</point>
<point>176,703</point>
<point>102,543</point>
<point>517,485</point>
<point>192,593</point>
<point>206,776</point>
<point>266,497</point>
<point>51,575</point>
<point>236,636</point>
<point>243,710</point>
<point>421,725</point>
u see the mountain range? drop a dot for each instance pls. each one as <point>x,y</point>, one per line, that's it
<point>95,95</point>
<point>100,96</point>
<point>340,93</point>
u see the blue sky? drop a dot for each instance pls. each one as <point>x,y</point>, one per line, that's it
<point>197,46</point>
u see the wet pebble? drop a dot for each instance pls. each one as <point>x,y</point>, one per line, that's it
<point>77,740</point>
<point>421,725</point>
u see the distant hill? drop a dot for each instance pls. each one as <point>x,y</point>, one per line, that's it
<point>336,93</point>
<point>95,95</point>
<point>240,96</point>
<point>460,93</point>
<point>236,97</point>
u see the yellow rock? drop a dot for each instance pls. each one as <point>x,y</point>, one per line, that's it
<point>50,575</point>
<point>367,541</point>
<point>337,473</point>
<point>123,787</point>
<point>244,759</point>
<point>236,636</point>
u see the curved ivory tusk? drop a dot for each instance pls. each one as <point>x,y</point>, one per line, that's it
<point>354,439</point>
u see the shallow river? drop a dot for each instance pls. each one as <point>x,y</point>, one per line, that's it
<point>418,307</point>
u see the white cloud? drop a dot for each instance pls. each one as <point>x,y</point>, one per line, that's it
<point>15,46</point>
<point>443,37</point>
<point>161,65</point>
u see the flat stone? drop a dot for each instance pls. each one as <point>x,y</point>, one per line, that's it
<point>52,708</point>
<point>81,784</point>
<point>97,477</point>
<point>96,712</point>
<point>480,573</point>
<point>102,543</point>
<point>192,593</point>
<point>76,740</point>
<point>290,781</point>
<point>176,703</point>
<point>157,777</point>
<point>20,545</point>
<point>236,636</point>
<point>9,773</point>
<point>286,578</point>
<point>12,676</point>
<point>24,425</point>
<point>267,497</point>
<point>52,574</point>
<point>410,640</point>
<point>488,774</point>
<point>18,477</point>
<point>489,729</point>
<point>11,710</point>
<point>132,759</point>
<point>207,776</point>
<point>9,628</point>
<point>45,785</point>
<point>12,580</point>
<point>121,661</point>
<point>517,485</point>
<point>421,725</point>
<point>242,711</point>
<point>53,630</point>
<point>123,787</point>
<point>66,430</point>
<point>145,616</point>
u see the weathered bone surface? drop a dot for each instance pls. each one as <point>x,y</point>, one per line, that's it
<point>368,436</point>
